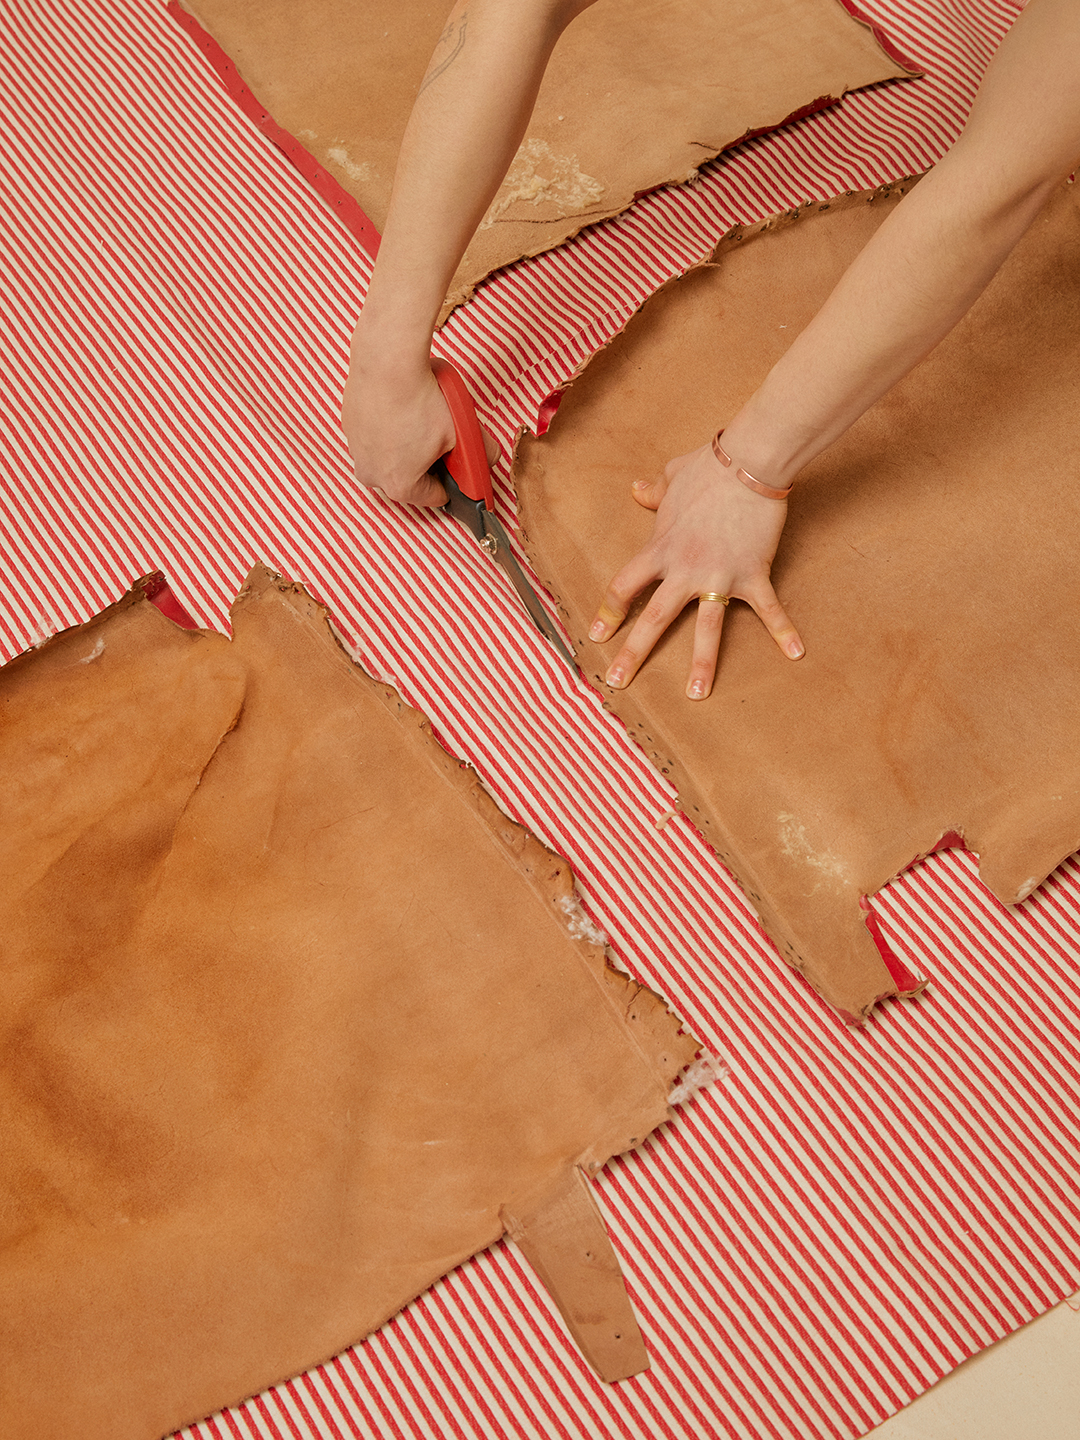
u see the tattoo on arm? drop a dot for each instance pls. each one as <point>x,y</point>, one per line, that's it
<point>447,35</point>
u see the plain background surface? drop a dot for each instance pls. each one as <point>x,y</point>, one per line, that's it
<point>1027,1387</point>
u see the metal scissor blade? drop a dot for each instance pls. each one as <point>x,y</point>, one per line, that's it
<point>500,551</point>
<point>469,512</point>
<point>493,539</point>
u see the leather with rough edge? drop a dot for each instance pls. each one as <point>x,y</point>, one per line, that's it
<point>929,561</point>
<point>637,94</point>
<point>291,1012</point>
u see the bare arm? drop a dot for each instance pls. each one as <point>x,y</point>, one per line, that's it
<point>935,254</point>
<point>467,123</point>
<point>921,272</point>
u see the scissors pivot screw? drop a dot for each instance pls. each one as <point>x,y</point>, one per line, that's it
<point>490,544</point>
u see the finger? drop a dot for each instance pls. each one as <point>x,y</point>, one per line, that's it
<point>426,491</point>
<point>666,605</point>
<point>774,617</point>
<point>709,624</point>
<point>492,448</point>
<point>649,493</point>
<point>621,594</point>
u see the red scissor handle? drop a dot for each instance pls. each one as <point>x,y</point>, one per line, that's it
<point>467,461</point>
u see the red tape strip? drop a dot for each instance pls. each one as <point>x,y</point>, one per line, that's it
<point>881,38</point>
<point>344,205</point>
<point>156,589</point>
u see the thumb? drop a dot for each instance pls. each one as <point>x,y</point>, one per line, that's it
<point>427,491</point>
<point>649,493</point>
<point>491,447</point>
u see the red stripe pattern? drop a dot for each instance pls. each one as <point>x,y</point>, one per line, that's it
<point>845,1216</point>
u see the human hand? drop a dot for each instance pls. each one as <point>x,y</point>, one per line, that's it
<point>397,425</point>
<point>713,535</point>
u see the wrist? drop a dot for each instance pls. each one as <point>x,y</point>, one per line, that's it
<point>769,440</point>
<point>743,476</point>
<point>762,452</point>
<point>391,351</point>
<point>393,332</point>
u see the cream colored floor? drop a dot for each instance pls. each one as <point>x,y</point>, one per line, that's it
<point>1027,1387</point>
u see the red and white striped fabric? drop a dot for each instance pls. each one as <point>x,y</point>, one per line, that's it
<point>846,1216</point>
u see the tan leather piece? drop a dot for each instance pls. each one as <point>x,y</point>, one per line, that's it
<point>562,1235</point>
<point>290,1014</point>
<point>929,561</point>
<point>638,94</point>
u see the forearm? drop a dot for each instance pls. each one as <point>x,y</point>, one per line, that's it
<point>918,277</point>
<point>468,121</point>
<point>932,257</point>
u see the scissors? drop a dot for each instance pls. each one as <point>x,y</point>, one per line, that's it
<point>464,469</point>
<point>465,472</point>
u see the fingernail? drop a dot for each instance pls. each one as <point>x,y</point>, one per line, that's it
<point>697,690</point>
<point>641,484</point>
<point>597,631</point>
<point>795,649</point>
<point>615,677</point>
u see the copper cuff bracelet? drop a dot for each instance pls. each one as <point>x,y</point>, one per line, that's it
<point>769,491</point>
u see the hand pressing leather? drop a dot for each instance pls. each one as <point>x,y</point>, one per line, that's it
<point>713,535</point>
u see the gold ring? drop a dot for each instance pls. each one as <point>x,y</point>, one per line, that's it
<point>719,599</point>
